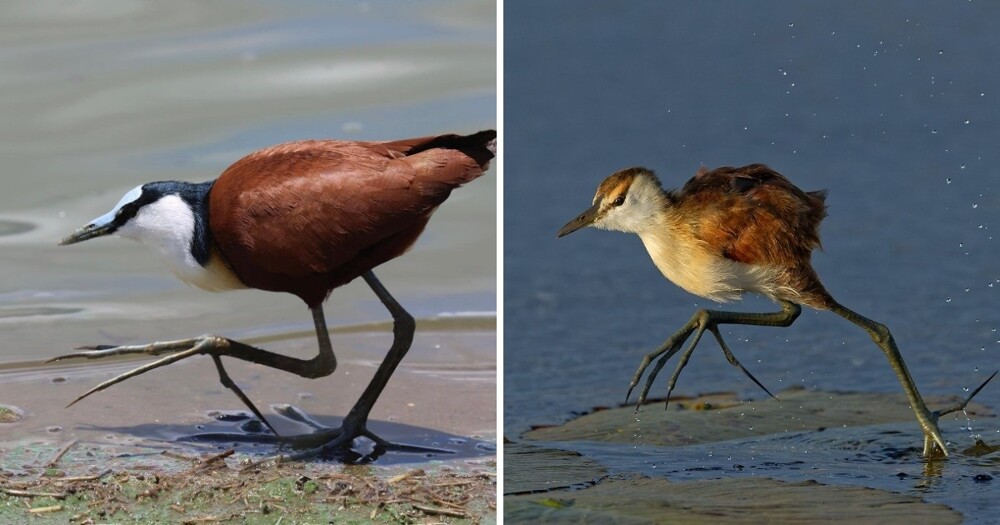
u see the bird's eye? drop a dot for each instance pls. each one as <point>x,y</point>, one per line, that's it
<point>619,201</point>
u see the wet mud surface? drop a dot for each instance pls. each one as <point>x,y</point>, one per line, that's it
<point>177,425</point>
<point>808,456</point>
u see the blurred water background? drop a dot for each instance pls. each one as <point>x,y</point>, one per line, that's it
<point>890,106</point>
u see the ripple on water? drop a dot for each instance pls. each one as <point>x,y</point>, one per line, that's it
<point>11,227</point>
<point>29,311</point>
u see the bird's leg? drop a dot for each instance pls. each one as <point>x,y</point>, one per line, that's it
<point>928,443</point>
<point>709,320</point>
<point>356,421</point>
<point>883,338</point>
<point>354,424</point>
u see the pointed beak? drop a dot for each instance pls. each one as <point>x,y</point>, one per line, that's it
<point>585,219</point>
<point>87,232</point>
<point>99,227</point>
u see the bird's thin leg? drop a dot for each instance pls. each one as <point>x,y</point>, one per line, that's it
<point>356,421</point>
<point>354,424</point>
<point>230,384</point>
<point>883,338</point>
<point>403,328</point>
<point>709,320</point>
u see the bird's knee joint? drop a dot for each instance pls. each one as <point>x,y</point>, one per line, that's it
<point>702,317</point>
<point>881,334</point>
<point>793,310</point>
<point>215,342</point>
<point>322,366</point>
<point>404,322</point>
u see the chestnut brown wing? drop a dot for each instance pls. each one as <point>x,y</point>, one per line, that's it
<point>307,217</point>
<point>754,215</point>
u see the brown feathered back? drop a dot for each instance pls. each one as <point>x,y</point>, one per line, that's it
<point>306,217</point>
<point>754,215</point>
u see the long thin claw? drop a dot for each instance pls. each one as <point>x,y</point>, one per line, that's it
<point>646,360</point>
<point>963,404</point>
<point>403,447</point>
<point>652,374</point>
<point>101,351</point>
<point>294,414</point>
<point>733,361</point>
<point>681,364</point>
<point>199,348</point>
<point>343,439</point>
<point>231,385</point>
<point>669,345</point>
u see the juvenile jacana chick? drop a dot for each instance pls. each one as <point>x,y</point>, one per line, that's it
<point>303,218</point>
<point>727,232</point>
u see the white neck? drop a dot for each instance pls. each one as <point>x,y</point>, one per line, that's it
<point>168,227</point>
<point>644,208</point>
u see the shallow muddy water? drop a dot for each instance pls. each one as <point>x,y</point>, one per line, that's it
<point>100,97</point>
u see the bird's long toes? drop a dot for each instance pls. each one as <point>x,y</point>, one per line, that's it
<point>163,361</point>
<point>642,395</point>
<point>629,393</point>
<point>89,352</point>
<point>403,447</point>
<point>95,347</point>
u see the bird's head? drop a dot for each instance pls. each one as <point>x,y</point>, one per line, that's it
<point>145,213</point>
<point>171,218</point>
<point>628,200</point>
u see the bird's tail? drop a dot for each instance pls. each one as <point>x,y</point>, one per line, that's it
<point>481,146</point>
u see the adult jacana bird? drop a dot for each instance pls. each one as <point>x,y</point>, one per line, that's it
<point>303,218</point>
<point>727,232</point>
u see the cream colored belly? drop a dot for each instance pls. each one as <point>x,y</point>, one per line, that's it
<point>712,277</point>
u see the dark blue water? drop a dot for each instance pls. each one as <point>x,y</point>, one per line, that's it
<point>894,107</point>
